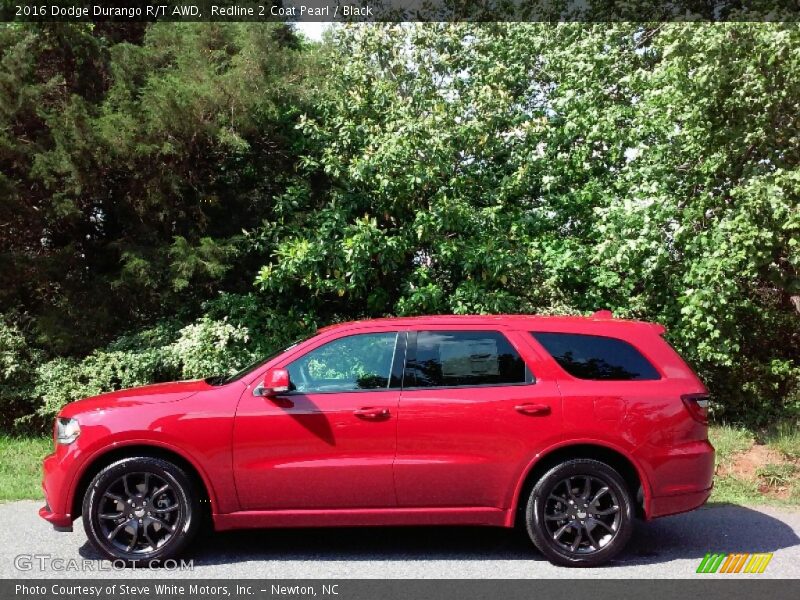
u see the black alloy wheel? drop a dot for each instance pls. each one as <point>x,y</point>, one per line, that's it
<point>141,510</point>
<point>580,513</point>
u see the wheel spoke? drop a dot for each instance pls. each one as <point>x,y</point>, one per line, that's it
<point>556,517</point>
<point>146,483</point>
<point>168,509</point>
<point>125,485</point>
<point>557,498</point>
<point>587,489</point>
<point>592,541</point>
<point>606,512</point>
<point>117,529</point>
<point>159,491</point>
<point>569,489</point>
<point>578,540</point>
<point>164,524</point>
<point>557,535</point>
<point>114,497</point>
<point>110,516</point>
<point>135,537</point>
<point>604,526</point>
<point>600,493</point>
<point>146,532</point>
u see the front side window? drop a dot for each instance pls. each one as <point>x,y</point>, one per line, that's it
<point>597,357</point>
<point>459,358</point>
<point>356,362</point>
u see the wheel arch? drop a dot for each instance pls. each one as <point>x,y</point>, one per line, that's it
<point>624,464</point>
<point>148,449</point>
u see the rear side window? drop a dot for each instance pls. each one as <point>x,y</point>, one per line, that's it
<point>597,357</point>
<point>459,358</point>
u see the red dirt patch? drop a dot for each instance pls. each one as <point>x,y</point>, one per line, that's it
<point>746,464</point>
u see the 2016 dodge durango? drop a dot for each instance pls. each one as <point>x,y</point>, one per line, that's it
<point>569,427</point>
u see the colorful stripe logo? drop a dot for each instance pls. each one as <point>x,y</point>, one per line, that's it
<point>734,563</point>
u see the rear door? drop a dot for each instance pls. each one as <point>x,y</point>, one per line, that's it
<point>473,413</point>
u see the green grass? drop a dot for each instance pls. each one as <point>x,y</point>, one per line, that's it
<point>21,466</point>
<point>732,490</point>
<point>782,475</point>
<point>729,441</point>
<point>785,438</point>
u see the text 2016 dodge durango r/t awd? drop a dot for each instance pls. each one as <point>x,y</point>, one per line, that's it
<point>568,426</point>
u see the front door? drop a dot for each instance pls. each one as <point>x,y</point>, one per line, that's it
<point>329,442</point>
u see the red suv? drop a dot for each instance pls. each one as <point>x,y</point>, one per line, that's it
<point>570,426</point>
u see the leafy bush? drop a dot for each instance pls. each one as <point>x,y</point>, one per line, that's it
<point>201,349</point>
<point>209,347</point>
<point>18,362</point>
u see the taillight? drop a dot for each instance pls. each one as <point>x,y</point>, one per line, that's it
<point>697,405</point>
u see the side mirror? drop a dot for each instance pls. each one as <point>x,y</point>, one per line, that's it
<point>276,381</point>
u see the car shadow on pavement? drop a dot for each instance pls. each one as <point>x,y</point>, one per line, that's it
<point>720,528</point>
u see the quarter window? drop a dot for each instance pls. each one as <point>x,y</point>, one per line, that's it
<point>463,358</point>
<point>356,362</point>
<point>597,357</point>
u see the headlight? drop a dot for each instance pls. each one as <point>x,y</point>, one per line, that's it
<point>67,430</point>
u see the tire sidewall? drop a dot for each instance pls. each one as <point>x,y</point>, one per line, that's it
<point>184,490</point>
<point>535,523</point>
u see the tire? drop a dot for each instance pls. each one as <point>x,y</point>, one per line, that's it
<point>576,526</point>
<point>141,510</point>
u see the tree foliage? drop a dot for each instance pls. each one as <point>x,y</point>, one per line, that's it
<point>132,159</point>
<point>194,193</point>
<point>530,168</point>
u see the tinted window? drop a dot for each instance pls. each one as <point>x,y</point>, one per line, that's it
<point>597,357</point>
<point>453,358</point>
<point>357,362</point>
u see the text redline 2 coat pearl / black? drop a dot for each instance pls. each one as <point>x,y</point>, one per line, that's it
<point>569,427</point>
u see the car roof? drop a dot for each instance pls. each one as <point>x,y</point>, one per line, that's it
<point>549,322</point>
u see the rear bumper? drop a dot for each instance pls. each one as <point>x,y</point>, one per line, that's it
<point>672,505</point>
<point>681,476</point>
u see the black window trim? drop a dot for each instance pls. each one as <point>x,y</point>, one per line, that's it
<point>653,364</point>
<point>411,353</point>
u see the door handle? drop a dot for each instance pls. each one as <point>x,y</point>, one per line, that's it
<point>371,413</point>
<point>533,410</point>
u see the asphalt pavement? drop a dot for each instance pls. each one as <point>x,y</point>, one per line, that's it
<point>671,547</point>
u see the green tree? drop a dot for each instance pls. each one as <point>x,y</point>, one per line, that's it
<point>132,159</point>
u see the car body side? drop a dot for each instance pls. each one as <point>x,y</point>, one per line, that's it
<point>643,424</point>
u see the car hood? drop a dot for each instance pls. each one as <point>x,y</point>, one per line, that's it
<point>147,394</point>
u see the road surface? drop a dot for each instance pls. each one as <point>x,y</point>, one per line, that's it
<point>671,547</point>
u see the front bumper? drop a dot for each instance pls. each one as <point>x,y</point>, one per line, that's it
<point>59,522</point>
<point>55,484</point>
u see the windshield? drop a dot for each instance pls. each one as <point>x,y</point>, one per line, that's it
<point>224,380</point>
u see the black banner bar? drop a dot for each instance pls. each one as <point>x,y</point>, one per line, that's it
<point>343,11</point>
<point>705,587</point>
